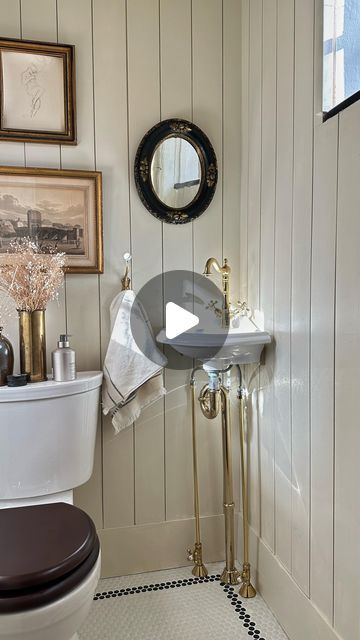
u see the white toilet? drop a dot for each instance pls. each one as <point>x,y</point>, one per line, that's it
<point>49,549</point>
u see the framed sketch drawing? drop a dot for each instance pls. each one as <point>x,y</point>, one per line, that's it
<point>37,91</point>
<point>60,209</point>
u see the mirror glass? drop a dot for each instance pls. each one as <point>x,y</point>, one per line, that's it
<point>176,172</point>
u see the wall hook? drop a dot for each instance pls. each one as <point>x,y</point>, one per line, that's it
<point>125,280</point>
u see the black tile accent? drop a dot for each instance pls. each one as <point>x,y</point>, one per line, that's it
<point>234,599</point>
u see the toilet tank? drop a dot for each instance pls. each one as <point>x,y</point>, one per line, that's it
<point>47,435</point>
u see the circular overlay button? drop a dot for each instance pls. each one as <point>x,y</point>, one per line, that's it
<point>185,310</point>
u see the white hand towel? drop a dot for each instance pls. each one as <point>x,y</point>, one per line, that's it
<point>132,377</point>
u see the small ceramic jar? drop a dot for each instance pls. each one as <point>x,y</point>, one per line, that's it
<point>6,359</point>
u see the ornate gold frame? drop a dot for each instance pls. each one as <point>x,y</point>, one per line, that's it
<point>175,127</point>
<point>98,267</point>
<point>65,51</point>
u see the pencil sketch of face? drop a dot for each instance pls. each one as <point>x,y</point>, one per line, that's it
<point>33,88</point>
<point>33,91</point>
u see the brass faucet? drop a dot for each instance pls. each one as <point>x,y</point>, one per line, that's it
<point>225,271</point>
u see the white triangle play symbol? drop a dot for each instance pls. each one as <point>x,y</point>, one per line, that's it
<point>178,320</point>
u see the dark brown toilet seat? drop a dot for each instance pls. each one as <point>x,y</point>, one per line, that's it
<point>45,551</point>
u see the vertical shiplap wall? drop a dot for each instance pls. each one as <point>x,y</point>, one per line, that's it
<point>139,61</point>
<point>300,206</point>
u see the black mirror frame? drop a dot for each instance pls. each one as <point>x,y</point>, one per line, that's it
<point>209,172</point>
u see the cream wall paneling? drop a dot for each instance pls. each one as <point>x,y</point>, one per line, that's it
<point>253,233</point>
<point>11,153</point>
<point>347,371</point>
<point>39,21</point>
<point>301,290</point>
<point>267,258</point>
<point>282,277</point>
<point>177,97</point>
<point>244,153</point>
<point>146,242</point>
<point>231,187</point>
<point>112,155</point>
<point>138,62</point>
<point>82,291</point>
<point>323,344</point>
<point>322,364</point>
<point>309,272</point>
<point>299,618</point>
<point>207,47</point>
<point>155,546</point>
<point>287,189</point>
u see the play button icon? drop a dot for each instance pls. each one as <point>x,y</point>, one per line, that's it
<point>175,302</point>
<point>178,320</point>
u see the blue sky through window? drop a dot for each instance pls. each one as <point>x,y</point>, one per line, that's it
<point>341,63</point>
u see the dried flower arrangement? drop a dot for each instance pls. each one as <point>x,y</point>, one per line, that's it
<point>7,309</point>
<point>29,276</point>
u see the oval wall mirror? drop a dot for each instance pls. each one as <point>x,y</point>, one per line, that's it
<point>175,171</point>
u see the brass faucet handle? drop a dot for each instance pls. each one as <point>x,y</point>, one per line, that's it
<point>239,309</point>
<point>190,555</point>
<point>212,307</point>
<point>195,556</point>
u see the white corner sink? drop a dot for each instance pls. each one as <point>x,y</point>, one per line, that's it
<point>218,348</point>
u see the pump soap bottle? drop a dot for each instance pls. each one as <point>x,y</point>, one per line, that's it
<point>63,361</point>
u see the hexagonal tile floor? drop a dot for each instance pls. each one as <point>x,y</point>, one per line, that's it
<point>173,605</point>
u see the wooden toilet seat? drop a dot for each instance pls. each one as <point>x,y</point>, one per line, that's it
<point>45,552</point>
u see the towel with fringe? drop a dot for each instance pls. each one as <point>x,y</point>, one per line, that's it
<point>132,376</point>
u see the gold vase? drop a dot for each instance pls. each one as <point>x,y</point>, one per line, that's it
<point>33,344</point>
<point>25,341</point>
<point>38,342</point>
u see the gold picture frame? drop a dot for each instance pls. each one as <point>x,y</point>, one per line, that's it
<point>60,208</point>
<point>37,92</point>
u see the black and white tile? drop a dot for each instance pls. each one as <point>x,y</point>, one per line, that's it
<point>173,605</point>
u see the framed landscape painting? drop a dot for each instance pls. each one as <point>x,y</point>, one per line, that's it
<point>60,209</point>
<point>37,91</point>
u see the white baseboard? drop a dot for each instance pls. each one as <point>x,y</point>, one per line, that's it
<point>161,545</point>
<point>298,616</point>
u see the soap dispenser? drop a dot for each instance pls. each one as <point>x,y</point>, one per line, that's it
<point>63,361</point>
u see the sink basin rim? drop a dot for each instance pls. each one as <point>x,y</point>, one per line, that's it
<point>189,339</point>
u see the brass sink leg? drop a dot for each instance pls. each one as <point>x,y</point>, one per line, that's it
<point>246,590</point>
<point>230,574</point>
<point>213,398</point>
<point>195,555</point>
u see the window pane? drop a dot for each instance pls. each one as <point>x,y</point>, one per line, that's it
<point>341,61</point>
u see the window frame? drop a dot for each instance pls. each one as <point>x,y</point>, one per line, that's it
<point>341,106</point>
<point>347,102</point>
